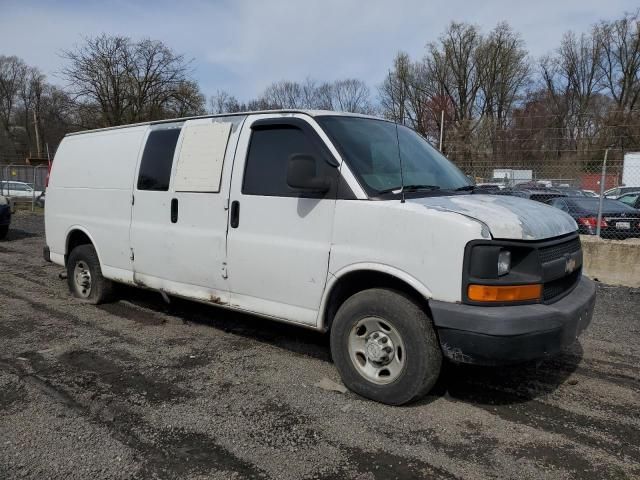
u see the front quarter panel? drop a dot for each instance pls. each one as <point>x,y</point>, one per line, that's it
<point>425,244</point>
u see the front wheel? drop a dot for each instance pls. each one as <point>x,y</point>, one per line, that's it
<point>385,347</point>
<point>84,276</point>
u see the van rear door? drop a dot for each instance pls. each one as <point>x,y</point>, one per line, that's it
<point>179,216</point>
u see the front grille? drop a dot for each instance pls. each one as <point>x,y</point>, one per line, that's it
<point>553,252</point>
<point>555,288</point>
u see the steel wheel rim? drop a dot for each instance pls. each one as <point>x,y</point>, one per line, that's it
<point>376,350</point>
<point>82,278</point>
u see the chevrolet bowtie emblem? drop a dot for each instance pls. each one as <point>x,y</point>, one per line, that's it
<point>570,265</point>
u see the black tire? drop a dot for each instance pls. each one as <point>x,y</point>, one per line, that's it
<point>4,229</point>
<point>422,354</point>
<point>100,288</point>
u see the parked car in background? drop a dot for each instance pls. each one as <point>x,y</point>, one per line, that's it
<point>632,199</point>
<point>15,189</point>
<point>618,220</point>
<point>491,186</point>
<point>5,216</point>
<point>538,194</point>
<point>576,192</point>
<point>572,192</point>
<point>618,191</point>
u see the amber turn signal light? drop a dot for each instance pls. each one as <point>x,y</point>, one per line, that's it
<point>511,293</point>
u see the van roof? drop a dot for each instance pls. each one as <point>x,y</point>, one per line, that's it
<point>311,113</point>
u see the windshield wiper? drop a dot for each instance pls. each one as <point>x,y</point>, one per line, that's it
<point>410,188</point>
<point>465,188</point>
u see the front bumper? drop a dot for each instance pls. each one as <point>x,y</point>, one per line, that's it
<point>512,334</point>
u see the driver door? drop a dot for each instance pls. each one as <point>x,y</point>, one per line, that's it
<point>279,241</point>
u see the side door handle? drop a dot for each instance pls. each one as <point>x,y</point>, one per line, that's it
<point>234,220</point>
<point>174,210</point>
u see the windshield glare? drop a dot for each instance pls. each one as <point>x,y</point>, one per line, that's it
<point>370,148</point>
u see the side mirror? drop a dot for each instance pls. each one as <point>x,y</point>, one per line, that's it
<point>302,176</point>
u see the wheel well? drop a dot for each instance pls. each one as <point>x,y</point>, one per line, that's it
<point>76,238</point>
<point>354,282</point>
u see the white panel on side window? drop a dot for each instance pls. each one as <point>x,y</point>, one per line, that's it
<point>201,157</point>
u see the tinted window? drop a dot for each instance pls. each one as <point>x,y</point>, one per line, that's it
<point>269,151</point>
<point>157,158</point>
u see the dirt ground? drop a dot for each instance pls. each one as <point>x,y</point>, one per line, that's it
<point>139,389</point>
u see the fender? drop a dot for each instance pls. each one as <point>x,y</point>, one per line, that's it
<point>333,279</point>
<point>83,230</point>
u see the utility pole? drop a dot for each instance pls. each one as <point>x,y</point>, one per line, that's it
<point>35,125</point>
<point>441,129</point>
<point>602,178</point>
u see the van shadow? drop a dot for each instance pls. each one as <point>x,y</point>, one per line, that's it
<point>504,385</point>
<point>290,337</point>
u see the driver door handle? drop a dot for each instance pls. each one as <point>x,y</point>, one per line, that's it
<point>174,210</point>
<point>234,215</point>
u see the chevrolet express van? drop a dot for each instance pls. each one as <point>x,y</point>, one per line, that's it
<point>337,222</point>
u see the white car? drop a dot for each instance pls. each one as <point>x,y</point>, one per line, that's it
<point>619,191</point>
<point>14,189</point>
<point>331,221</point>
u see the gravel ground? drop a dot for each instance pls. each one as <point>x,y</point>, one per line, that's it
<point>139,389</point>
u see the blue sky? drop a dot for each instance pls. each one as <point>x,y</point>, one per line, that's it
<point>241,46</point>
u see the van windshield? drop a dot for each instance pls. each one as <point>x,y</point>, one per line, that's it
<point>370,148</point>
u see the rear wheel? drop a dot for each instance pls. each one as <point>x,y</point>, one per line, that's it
<point>385,347</point>
<point>84,276</point>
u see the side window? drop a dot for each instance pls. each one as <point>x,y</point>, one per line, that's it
<point>157,158</point>
<point>558,203</point>
<point>629,199</point>
<point>265,170</point>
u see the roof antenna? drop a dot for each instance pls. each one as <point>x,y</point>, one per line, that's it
<point>393,103</point>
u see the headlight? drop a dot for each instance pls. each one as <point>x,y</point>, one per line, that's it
<point>504,262</point>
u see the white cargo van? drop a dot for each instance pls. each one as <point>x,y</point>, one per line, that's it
<point>331,221</point>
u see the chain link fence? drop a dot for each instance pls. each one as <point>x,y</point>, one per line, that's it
<point>602,195</point>
<point>24,184</point>
<point>587,166</point>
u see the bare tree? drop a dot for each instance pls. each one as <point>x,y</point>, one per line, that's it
<point>456,63</point>
<point>504,72</point>
<point>350,95</point>
<point>620,61</point>
<point>284,94</point>
<point>223,102</point>
<point>13,73</point>
<point>131,81</point>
